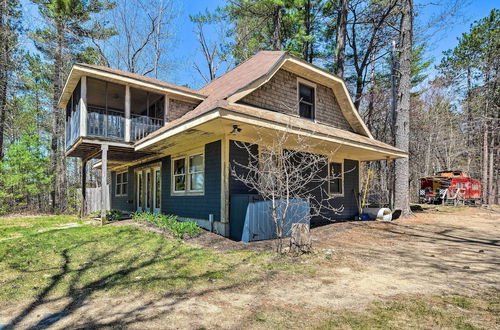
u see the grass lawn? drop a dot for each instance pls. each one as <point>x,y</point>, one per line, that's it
<point>427,312</point>
<point>69,264</point>
<point>43,257</point>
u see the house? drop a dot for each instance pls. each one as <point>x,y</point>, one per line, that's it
<point>169,148</point>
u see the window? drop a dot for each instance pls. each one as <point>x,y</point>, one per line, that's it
<point>121,184</point>
<point>306,101</point>
<point>157,189</point>
<point>196,175</point>
<point>188,174</point>
<point>179,174</point>
<point>336,178</point>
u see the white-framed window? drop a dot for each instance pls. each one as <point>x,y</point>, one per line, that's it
<point>336,178</point>
<point>306,93</point>
<point>121,184</point>
<point>188,174</point>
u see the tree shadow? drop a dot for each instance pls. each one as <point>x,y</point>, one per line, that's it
<point>77,295</point>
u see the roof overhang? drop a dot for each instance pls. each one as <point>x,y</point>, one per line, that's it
<point>78,71</point>
<point>315,74</point>
<point>220,121</point>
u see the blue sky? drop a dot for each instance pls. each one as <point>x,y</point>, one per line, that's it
<point>186,48</point>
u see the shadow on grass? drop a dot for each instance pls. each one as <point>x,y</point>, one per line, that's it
<point>77,295</point>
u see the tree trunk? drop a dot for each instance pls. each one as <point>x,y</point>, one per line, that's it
<point>57,143</point>
<point>401,193</point>
<point>277,22</point>
<point>491,175</point>
<point>4,68</point>
<point>484,179</point>
<point>341,36</point>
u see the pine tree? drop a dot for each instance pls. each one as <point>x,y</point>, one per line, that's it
<point>69,23</point>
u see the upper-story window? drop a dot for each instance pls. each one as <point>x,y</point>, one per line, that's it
<point>306,100</point>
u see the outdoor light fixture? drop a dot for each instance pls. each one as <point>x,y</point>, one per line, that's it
<point>236,129</point>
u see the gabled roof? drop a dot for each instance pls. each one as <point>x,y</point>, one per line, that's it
<point>114,75</point>
<point>256,71</point>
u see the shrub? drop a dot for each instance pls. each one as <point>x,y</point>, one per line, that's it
<point>179,229</point>
<point>114,215</point>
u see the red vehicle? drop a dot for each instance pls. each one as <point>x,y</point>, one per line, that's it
<point>450,187</point>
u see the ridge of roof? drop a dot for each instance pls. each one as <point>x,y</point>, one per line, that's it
<point>143,78</point>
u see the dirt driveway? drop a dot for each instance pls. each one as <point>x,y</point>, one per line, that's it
<point>354,264</point>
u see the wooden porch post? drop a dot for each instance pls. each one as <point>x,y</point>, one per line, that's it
<point>128,123</point>
<point>83,209</point>
<point>166,110</point>
<point>104,183</point>
<point>83,106</point>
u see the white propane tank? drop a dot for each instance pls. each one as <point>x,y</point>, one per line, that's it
<point>376,213</point>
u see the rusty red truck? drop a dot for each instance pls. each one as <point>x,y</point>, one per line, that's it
<point>450,188</point>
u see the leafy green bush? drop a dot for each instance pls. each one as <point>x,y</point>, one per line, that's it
<point>114,215</point>
<point>179,229</point>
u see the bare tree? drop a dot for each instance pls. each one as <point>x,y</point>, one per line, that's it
<point>212,50</point>
<point>144,33</point>
<point>293,180</point>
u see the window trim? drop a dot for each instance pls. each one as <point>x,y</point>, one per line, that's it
<point>121,194</point>
<point>301,81</point>
<point>341,162</point>
<point>187,191</point>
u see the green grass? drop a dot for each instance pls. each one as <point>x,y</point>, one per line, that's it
<point>441,312</point>
<point>41,259</point>
<point>179,229</point>
<point>111,259</point>
<point>17,226</point>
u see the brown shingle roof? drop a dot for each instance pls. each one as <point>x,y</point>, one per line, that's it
<point>219,89</point>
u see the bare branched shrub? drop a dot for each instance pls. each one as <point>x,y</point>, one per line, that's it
<point>287,173</point>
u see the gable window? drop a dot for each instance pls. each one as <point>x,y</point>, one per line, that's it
<point>306,100</point>
<point>188,174</point>
<point>121,184</point>
<point>336,178</point>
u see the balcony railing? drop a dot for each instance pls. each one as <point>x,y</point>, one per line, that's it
<point>73,127</point>
<point>108,124</point>
<point>143,125</point>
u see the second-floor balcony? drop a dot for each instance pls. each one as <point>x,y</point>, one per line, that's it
<point>113,112</point>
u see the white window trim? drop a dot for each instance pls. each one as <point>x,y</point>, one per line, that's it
<point>312,85</point>
<point>187,191</point>
<point>338,161</point>
<point>121,184</point>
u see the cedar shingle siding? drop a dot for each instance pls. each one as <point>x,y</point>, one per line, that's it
<point>178,108</point>
<point>280,94</point>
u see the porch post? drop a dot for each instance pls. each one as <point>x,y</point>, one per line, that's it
<point>83,208</point>
<point>128,123</point>
<point>83,106</point>
<point>166,110</point>
<point>104,182</point>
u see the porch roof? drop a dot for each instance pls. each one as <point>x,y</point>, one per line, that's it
<point>123,77</point>
<point>219,122</point>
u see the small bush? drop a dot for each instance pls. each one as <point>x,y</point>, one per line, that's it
<point>179,229</point>
<point>114,215</point>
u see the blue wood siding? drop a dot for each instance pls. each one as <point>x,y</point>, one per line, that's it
<point>124,203</point>
<point>197,207</point>
<point>351,183</point>
<point>238,155</point>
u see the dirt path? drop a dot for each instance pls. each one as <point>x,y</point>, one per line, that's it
<point>433,253</point>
